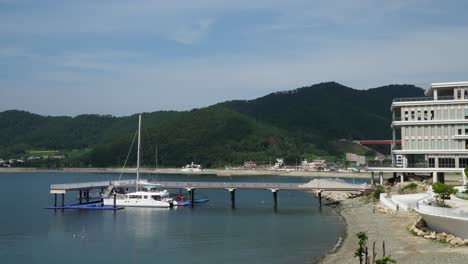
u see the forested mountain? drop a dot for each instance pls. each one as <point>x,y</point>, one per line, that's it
<point>329,110</point>
<point>287,124</point>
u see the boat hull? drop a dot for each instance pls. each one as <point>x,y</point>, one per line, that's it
<point>138,203</point>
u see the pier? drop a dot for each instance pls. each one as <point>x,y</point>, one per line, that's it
<point>106,188</point>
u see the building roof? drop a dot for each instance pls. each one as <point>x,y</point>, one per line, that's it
<point>444,86</point>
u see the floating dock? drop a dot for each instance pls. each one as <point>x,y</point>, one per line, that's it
<point>90,206</point>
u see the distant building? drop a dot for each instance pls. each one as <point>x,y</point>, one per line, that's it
<point>306,165</point>
<point>250,164</point>
<point>317,164</point>
<point>279,163</point>
<point>359,160</point>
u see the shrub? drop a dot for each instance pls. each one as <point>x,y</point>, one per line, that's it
<point>443,191</point>
<point>377,192</point>
<point>409,188</point>
<point>385,260</point>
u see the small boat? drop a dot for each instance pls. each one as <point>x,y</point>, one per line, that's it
<point>149,195</point>
<point>192,168</point>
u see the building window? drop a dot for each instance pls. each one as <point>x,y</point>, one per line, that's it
<point>466,113</point>
<point>459,131</point>
<point>458,94</point>
<point>412,115</point>
<point>466,94</point>
<point>446,163</point>
<point>406,115</point>
<point>463,162</point>
<point>432,114</point>
<point>431,163</point>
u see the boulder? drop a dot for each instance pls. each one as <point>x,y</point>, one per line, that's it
<point>456,241</point>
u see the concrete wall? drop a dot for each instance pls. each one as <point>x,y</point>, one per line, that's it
<point>386,202</point>
<point>450,225</point>
<point>408,201</point>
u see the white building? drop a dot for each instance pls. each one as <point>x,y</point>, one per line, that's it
<point>433,129</point>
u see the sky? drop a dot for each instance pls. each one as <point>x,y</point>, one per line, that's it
<point>122,57</point>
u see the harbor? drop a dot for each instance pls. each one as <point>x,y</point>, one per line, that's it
<point>209,229</point>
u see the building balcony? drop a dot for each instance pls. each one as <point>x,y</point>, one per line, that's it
<point>426,101</point>
<point>399,122</point>
<point>426,98</point>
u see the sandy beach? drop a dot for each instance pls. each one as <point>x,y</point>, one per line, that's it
<point>400,243</point>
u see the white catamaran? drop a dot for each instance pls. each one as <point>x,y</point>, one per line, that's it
<point>150,195</point>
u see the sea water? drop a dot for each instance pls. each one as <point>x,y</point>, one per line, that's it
<point>298,232</point>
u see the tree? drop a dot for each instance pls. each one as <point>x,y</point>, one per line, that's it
<point>443,191</point>
<point>362,249</point>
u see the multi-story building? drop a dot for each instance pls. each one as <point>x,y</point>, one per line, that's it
<point>433,129</point>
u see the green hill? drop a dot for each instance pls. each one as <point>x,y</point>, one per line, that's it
<point>329,110</point>
<point>289,124</point>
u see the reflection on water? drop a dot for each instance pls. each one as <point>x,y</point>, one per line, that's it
<point>298,232</point>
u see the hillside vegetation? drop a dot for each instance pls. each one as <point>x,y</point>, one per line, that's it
<point>292,124</point>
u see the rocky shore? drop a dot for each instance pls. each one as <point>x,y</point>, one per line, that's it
<point>420,228</point>
<point>393,228</point>
<point>331,195</point>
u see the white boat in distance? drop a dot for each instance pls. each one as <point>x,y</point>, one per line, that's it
<point>149,196</point>
<point>192,168</point>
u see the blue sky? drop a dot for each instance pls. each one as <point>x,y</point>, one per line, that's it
<point>123,57</point>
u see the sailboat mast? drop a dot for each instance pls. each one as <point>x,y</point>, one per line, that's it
<point>138,152</point>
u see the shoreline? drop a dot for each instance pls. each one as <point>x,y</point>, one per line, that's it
<point>400,243</point>
<point>217,172</point>
<point>341,240</point>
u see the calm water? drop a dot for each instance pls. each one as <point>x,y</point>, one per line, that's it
<point>299,232</point>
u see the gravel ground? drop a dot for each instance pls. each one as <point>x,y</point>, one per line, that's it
<point>399,242</point>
